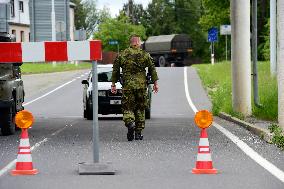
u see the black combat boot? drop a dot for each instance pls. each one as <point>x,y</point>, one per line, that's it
<point>130,133</point>
<point>138,135</point>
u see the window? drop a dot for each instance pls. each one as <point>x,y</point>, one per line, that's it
<point>22,36</point>
<point>21,6</point>
<point>12,8</point>
<point>14,33</point>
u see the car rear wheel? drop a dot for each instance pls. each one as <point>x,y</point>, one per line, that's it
<point>89,112</point>
<point>148,113</point>
<point>85,113</point>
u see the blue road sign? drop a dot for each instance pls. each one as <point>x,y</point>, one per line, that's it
<point>213,35</point>
<point>113,42</point>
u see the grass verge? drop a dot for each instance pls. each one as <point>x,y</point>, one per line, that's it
<point>278,138</point>
<point>34,68</point>
<point>218,82</point>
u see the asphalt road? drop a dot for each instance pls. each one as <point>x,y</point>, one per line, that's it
<point>164,159</point>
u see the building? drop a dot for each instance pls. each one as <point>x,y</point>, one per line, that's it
<point>41,22</point>
<point>19,23</point>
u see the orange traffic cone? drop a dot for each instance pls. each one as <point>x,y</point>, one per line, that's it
<point>24,165</point>
<point>204,164</point>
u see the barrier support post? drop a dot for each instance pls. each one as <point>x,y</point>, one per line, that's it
<point>95,168</point>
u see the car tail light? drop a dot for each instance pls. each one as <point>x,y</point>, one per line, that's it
<point>118,93</point>
<point>101,93</point>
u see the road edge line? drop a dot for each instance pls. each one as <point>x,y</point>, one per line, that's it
<point>50,92</point>
<point>275,171</point>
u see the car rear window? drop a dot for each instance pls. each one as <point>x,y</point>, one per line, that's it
<point>104,76</point>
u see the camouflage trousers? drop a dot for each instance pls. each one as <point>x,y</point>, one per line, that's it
<point>134,102</point>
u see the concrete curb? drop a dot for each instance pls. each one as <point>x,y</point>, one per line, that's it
<point>262,133</point>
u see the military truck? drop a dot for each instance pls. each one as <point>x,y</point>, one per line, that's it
<point>11,91</point>
<point>11,85</point>
<point>169,50</point>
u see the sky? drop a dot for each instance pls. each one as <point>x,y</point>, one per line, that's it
<point>116,5</point>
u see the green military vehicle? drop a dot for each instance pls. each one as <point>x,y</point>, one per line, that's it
<point>11,92</point>
<point>169,50</point>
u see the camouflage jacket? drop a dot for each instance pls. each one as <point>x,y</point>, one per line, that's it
<point>134,63</point>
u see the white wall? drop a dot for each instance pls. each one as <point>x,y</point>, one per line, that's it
<point>18,29</point>
<point>21,17</point>
<point>21,21</point>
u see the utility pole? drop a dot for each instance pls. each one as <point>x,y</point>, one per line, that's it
<point>53,28</point>
<point>53,21</point>
<point>280,62</point>
<point>273,38</point>
<point>241,58</point>
<point>254,53</point>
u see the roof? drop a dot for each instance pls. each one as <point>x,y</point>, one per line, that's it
<point>160,38</point>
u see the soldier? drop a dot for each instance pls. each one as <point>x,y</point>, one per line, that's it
<point>134,62</point>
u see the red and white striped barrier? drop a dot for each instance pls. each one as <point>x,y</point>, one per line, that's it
<point>50,51</point>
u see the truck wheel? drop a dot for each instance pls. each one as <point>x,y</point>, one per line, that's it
<point>148,113</point>
<point>8,125</point>
<point>89,112</point>
<point>162,61</point>
<point>85,113</point>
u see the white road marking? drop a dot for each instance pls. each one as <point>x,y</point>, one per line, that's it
<point>187,93</point>
<point>61,86</point>
<point>34,147</point>
<point>60,130</point>
<point>252,154</point>
<point>243,146</point>
<point>8,167</point>
<point>12,163</point>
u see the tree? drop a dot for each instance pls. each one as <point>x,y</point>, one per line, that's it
<point>264,48</point>
<point>159,18</point>
<point>119,29</point>
<point>92,16</point>
<point>80,14</point>
<point>104,14</point>
<point>134,11</point>
<point>215,13</point>
<point>174,17</point>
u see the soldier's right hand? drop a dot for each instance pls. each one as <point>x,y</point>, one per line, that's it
<point>156,87</point>
<point>113,89</point>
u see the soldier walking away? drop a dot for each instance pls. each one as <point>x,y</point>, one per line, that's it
<point>134,62</point>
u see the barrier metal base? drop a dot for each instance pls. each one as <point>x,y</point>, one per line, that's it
<point>96,169</point>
